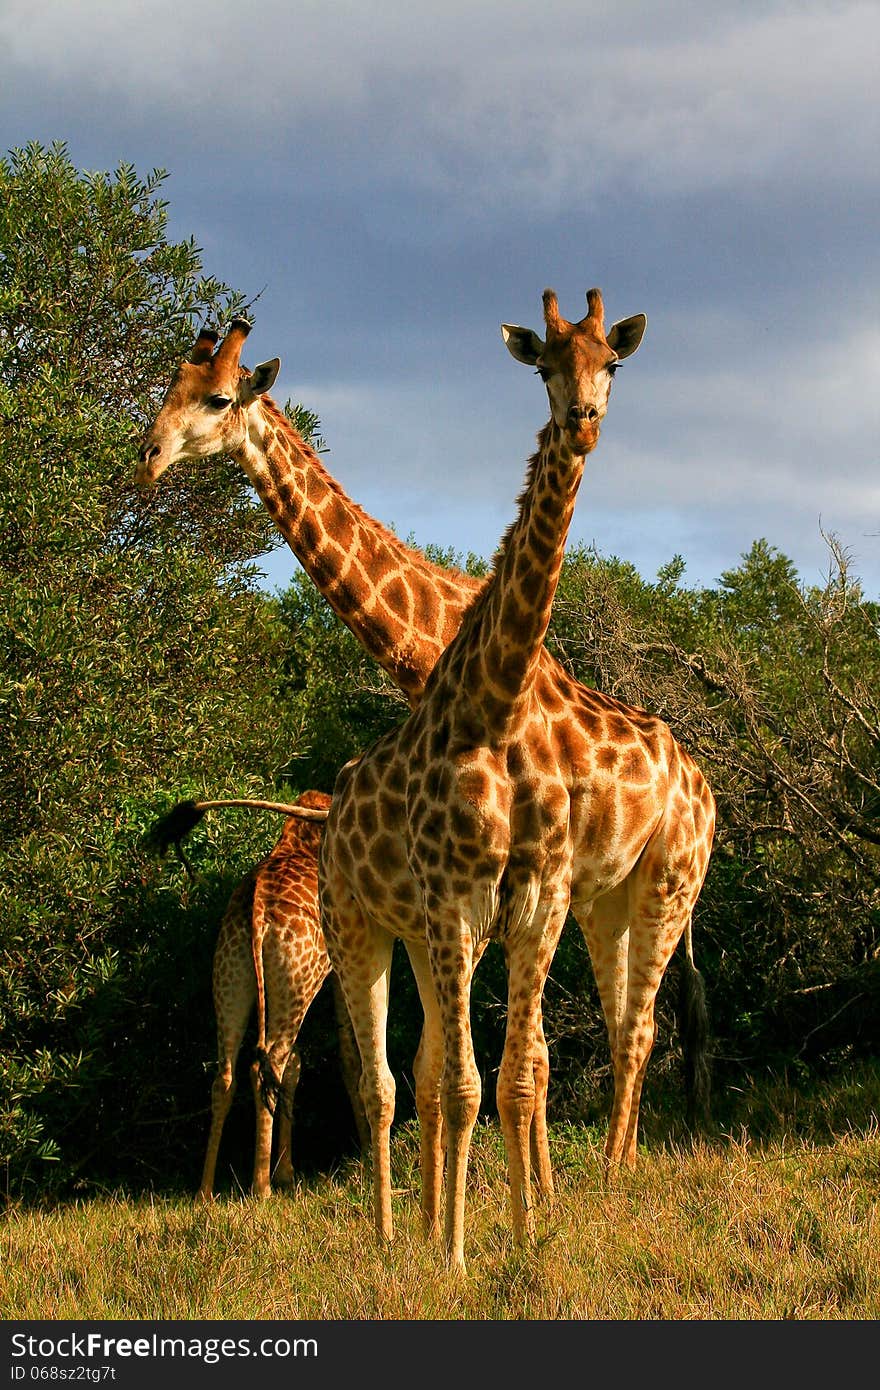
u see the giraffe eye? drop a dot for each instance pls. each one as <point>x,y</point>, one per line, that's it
<point>219,402</point>
<point>612,368</point>
<point>543,373</point>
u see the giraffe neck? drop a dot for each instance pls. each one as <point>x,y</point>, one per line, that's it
<point>403,610</point>
<point>506,631</point>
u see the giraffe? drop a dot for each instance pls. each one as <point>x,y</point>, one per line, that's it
<point>270,951</point>
<point>404,610</point>
<point>464,825</point>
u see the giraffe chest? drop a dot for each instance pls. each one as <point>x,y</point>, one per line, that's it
<point>469,831</point>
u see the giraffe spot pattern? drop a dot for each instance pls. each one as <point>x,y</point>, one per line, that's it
<point>274,910</point>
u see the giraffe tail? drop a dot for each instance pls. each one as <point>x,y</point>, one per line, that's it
<point>269,1084</point>
<point>271,1093</point>
<point>693,1024</point>
<point>172,829</point>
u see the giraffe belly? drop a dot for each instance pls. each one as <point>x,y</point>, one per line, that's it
<point>609,832</point>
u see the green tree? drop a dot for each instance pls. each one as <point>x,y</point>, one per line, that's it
<point>135,643</point>
<point>771,684</point>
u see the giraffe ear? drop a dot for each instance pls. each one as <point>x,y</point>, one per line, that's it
<point>259,381</point>
<point>624,337</point>
<point>522,343</point>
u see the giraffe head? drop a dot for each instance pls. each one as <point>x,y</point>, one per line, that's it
<point>206,406</point>
<point>576,361</point>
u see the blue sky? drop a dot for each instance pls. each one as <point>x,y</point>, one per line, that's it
<point>397,179</point>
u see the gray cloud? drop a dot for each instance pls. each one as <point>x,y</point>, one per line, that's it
<point>408,176</point>
<point>555,102</point>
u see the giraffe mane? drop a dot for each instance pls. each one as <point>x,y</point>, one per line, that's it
<point>523,494</point>
<point>482,597</point>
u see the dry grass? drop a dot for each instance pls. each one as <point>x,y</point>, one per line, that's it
<point>728,1231</point>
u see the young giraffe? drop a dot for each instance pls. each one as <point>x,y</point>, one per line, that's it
<point>464,825</point>
<point>404,611</point>
<point>270,951</point>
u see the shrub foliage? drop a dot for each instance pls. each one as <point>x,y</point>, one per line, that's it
<point>135,641</point>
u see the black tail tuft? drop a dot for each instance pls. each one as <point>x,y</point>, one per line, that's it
<point>170,829</point>
<point>693,1023</point>
<point>271,1093</point>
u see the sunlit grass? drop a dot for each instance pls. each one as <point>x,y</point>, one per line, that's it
<point>783,1229</point>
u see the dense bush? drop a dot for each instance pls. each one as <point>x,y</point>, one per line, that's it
<point>134,640</point>
<point>771,684</point>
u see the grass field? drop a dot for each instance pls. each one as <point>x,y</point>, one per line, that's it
<point>784,1226</point>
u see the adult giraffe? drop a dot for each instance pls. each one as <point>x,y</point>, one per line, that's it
<point>465,825</point>
<point>403,609</point>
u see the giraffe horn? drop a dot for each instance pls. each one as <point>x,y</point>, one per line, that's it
<point>204,346</point>
<point>595,309</point>
<point>229,350</point>
<point>552,317</point>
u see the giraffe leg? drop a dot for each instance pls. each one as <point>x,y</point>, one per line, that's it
<point>634,1048</point>
<point>655,929</point>
<point>539,1142</point>
<point>529,957</point>
<point>604,924</point>
<point>234,995</point>
<point>350,1064</point>
<point>451,959</point>
<point>377,1086</point>
<point>427,1069</point>
<point>222,1092</point>
<point>260,1182</point>
<point>631,1141</point>
<point>292,979</point>
<point>361,952</point>
<point>266,1118</point>
<point>282,1172</point>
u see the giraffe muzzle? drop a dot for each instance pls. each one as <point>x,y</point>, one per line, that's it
<point>580,415</point>
<point>583,427</point>
<point>148,457</point>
